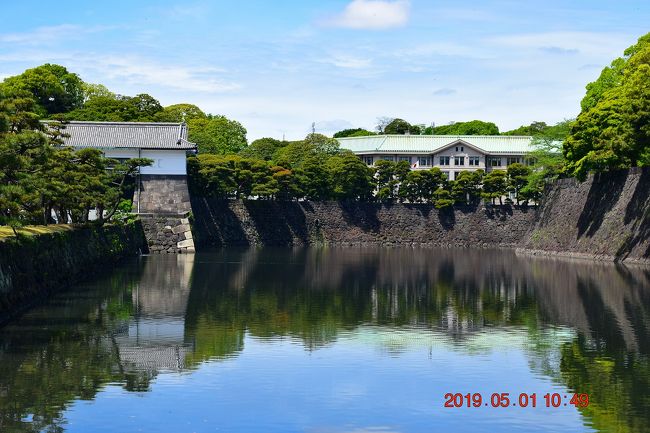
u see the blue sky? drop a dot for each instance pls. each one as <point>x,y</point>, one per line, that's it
<point>278,66</point>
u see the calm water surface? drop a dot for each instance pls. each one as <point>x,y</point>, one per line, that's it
<point>330,341</point>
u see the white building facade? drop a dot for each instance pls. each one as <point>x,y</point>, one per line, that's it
<point>452,154</point>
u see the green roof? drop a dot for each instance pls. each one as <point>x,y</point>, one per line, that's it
<point>490,144</point>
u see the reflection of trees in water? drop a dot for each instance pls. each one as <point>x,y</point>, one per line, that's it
<point>63,352</point>
<point>316,294</point>
<point>173,312</point>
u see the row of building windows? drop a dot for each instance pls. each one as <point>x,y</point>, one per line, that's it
<point>473,161</point>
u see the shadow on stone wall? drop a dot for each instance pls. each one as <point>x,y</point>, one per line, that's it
<point>603,195</point>
<point>605,217</point>
<point>261,222</point>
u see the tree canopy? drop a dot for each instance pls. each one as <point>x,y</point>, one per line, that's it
<point>473,127</point>
<point>401,127</point>
<point>54,89</point>
<point>355,132</point>
<point>613,129</point>
<point>217,134</point>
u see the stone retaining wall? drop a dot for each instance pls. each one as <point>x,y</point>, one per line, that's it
<point>219,222</point>
<point>168,234</point>
<point>166,194</point>
<point>607,217</point>
<point>31,267</point>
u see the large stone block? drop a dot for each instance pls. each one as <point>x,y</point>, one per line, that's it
<point>181,228</point>
<point>186,243</point>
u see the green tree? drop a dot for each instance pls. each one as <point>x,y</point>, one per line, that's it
<point>217,135</point>
<point>535,128</point>
<point>473,127</point>
<point>179,113</point>
<point>518,177</point>
<point>612,76</point>
<point>443,199</point>
<point>94,90</point>
<point>313,179</point>
<point>54,89</point>
<point>615,132</point>
<point>466,188</point>
<point>420,185</point>
<point>355,132</point>
<point>262,148</point>
<point>386,184</point>
<point>349,177</point>
<point>323,144</point>
<point>495,185</point>
<point>139,108</point>
<point>401,127</point>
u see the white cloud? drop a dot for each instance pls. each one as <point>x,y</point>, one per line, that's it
<point>137,70</point>
<point>373,14</point>
<point>50,34</point>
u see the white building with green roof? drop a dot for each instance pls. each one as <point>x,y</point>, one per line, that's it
<point>450,153</point>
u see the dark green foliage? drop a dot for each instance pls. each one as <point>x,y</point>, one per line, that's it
<point>401,127</point>
<point>518,176</point>
<point>312,179</point>
<point>38,177</point>
<point>263,148</point>
<point>419,186</point>
<point>473,127</point>
<point>495,185</point>
<point>140,108</point>
<point>350,178</point>
<point>466,189</point>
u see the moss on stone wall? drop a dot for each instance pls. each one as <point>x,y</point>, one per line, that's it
<point>33,266</point>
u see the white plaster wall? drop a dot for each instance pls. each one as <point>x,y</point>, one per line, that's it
<point>165,162</point>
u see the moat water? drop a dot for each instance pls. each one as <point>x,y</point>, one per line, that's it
<point>335,340</point>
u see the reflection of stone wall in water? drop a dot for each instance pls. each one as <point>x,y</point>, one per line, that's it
<point>34,266</point>
<point>607,216</point>
<point>460,291</point>
<point>220,222</point>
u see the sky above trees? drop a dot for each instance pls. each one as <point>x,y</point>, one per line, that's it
<point>279,66</point>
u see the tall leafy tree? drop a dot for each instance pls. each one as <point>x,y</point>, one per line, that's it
<point>179,113</point>
<point>53,87</point>
<point>217,134</point>
<point>473,127</point>
<point>401,127</point>
<point>263,148</point>
<point>612,76</point>
<point>350,178</point>
<point>354,132</point>
<point>615,131</point>
<point>139,108</point>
